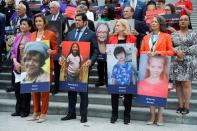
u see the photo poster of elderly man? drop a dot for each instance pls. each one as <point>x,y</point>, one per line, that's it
<point>122,69</point>
<point>74,70</point>
<point>35,67</point>
<point>153,82</point>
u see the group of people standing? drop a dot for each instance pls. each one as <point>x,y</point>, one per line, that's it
<point>181,44</point>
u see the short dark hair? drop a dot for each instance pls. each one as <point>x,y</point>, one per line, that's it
<point>118,50</point>
<point>151,2</point>
<point>83,16</point>
<point>131,8</point>
<point>29,22</point>
<point>172,7</point>
<point>162,1</point>
<point>87,3</point>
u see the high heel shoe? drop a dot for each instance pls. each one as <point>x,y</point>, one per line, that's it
<point>34,117</point>
<point>160,124</point>
<point>150,123</point>
<point>42,118</point>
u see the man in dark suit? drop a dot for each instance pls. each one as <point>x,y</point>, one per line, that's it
<point>82,9</point>
<point>83,34</point>
<point>57,17</point>
<point>2,30</point>
<point>139,9</point>
<point>140,27</point>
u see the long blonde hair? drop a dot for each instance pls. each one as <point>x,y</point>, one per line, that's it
<point>125,24</point>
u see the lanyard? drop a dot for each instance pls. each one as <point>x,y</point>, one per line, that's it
<point>154,39</point>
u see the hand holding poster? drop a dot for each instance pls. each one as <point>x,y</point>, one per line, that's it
<point>74,70</point>
<point>35,76</point>
<point>70,12</point>
<point>121,68</point>
<point>153,80</point>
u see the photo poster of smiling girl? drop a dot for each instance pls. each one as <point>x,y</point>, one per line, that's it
<point>74,70</point>
<point>35,67</point>
<point>152,88</point>
<point>122,68</point>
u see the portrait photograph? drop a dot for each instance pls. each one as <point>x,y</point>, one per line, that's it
<point>74,70</point>
<point>121,68</point>
<point>153,78</point>
<point>35,70</point>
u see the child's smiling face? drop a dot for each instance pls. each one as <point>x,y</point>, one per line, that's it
<point>121,57</point>
<point>75,48</point>
<point>156,67</point>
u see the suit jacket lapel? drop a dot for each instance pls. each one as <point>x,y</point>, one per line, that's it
<point>84,35</point>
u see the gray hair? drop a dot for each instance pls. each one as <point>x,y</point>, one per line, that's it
<point>162,22</point>
<point>82,7</point>
<point>55,3</point>
<point>21,5</point>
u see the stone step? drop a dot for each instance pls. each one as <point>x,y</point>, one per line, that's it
<point>102,99</point>
<point>104,111</point>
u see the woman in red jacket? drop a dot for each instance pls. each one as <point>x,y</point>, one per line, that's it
<point>43,34</point>
<point>157,43</point>
<point>121,35</point>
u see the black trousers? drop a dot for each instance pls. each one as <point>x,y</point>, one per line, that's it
<point>56,74</point>
<point>22,100</point>
<point>72,98</point>
<point>102,71</point>
<point>127,104</point>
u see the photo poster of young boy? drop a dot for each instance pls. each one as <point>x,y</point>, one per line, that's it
<point>35,67</point>
<point>153,75</point>
<point>74,70</point>
<point>121,68</point>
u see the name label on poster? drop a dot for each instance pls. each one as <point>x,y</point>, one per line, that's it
<point>118,89</point>
<point>151,101</point>
<point>35,87</point>
<point>73,86</point>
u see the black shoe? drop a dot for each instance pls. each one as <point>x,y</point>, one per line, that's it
<point>99,84</point>
<point>68,117</point>
<point>15,114</point>
<point>54,91</point>
<point>83,119</point>
<point>179,110</point>
<point>126,120</point>
<point>24,114</point>
<point>185,111</point>
<point>10,89</point>
<point>113,119</point>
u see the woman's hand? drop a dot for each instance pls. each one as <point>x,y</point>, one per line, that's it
<point>17,66</point>
<point>180,55</point>
<point>88,62</point>
<point>49,51</point>
<point>62,60</point>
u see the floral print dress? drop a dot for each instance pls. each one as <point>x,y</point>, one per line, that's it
<point>185,70</point>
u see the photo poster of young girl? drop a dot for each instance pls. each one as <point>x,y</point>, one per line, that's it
<point>102,34</point>
<point>153,75</point>
<point>74,70</point>
<point>121,68</point>
<point>35,67</point>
